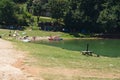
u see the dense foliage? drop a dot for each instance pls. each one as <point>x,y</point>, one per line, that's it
<point>93,15</point>
<point>99,16</point>
<point>7,12</point>
<point>20,1</point>
<point>89,15</point>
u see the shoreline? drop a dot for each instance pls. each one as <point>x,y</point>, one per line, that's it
<point>46,38</point>
<point>91,38</point>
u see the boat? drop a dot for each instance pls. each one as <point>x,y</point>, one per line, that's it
<point>26,40</point>
<point>56,38</point>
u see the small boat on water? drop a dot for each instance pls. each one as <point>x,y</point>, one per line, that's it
<point>56,38</point>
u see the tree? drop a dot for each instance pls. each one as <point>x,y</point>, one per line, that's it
<point>110,16</point>
<point>7,12</point>
<point>20,1</point>
<point>35,7</point>
<point>73,18</point>
<point>91,10</point>
<point>84,14</point>
<point>58,8</point>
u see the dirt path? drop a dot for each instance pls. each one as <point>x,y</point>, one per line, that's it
<point>10,63</point>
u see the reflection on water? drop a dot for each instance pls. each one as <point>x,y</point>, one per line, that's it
<point>110,48</point>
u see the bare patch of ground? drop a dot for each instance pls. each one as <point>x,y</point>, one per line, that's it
<point>77,72</point>
<point>10,63</point>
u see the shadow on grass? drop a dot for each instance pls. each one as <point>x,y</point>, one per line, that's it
<point>75,34</point>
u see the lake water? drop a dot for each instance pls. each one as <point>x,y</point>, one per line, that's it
<point>104,47</point>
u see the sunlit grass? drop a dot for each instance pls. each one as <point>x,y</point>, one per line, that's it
<point>51,57</point>
<point>5,32</point>
<point>55,57</point>
<point>61,77</point>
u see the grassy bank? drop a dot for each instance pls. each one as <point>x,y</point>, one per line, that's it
<point>55,63</point>
<point>61,64</point>
<point>59,57</point>
<point>28,32</point>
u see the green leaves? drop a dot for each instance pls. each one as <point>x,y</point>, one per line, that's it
<point>110,15</point>
<point>91,14</point>
<point>77,15</point>
<point>58,8</point>
<point>7,11</point>
<point>19,1</point>
<point>34,7</point>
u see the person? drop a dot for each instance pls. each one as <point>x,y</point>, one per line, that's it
<point>50,37</point>
<point>15,34</point>
<point>10,33</point>
<point>34,38</point>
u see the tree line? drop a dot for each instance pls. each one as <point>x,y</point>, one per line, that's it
<point>89,16</point>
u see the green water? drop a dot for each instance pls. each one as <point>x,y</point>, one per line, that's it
<point>104,47</point>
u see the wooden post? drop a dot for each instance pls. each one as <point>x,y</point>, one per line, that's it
<point>87,47</point>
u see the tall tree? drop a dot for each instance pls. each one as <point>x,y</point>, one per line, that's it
<point>74,15</point>
<point>7,12</point>
<point>20,1</point>
<point>58,8</point>
<point>35,7</point>
<point>91,10</point>
<point>84,14</point>
<point>110,16</point>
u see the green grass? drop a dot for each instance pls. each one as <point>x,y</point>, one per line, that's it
<point>55,57</point>
<point>52,57</point>
<point>4,32</point>
<point>61,77</point>
<point>49,33</point>
<point>40,33</point>
<point>70,59</point>
<point>46,19</point>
